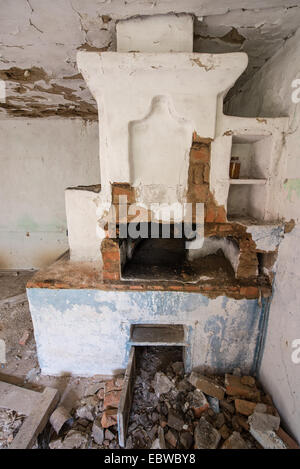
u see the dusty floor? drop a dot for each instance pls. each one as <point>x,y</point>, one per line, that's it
<point>21,365</point>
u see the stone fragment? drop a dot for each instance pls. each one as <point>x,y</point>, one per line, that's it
<point>220,420</point>
<point>100,394</point>
<point>235,441</point>
<point>224,431</point>
<point>159,442</point>
<point>85,412</point>
<point>244,407</point>
<point>161,384</point>
<point>262,428</point>
<point>206,436</point>
<point>171,438</point>
<point>97,431</point>
<point>228,406</point>
<point>186,439</point>
<point>263,422</point>
<point>262,408</point>
<point>109,418</point>
<point>206,385</point>
<point>234,387</point>
<point>235,423</point>
<point>56,444</point>
<point>109,435</point>
<point>198,402</point>
<point>243,422</point>
<point>184,386</point>
<point>178,368</point>
<point>175,421</point>
<point>214,404</point>
<point>93,388</point>
<point>268,439</point>
<point>74,440</point>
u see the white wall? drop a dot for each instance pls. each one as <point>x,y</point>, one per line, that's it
<point>39,158</point>
<point>269,94</point>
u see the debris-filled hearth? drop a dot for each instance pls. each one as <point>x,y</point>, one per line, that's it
<point>174,410</point>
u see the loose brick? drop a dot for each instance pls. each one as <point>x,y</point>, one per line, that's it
<point>244,407</point>
<point>109,418</point>
<point>234,387</point>
<point>114,384</point>
<point>111,399</point>
<point>206,385</point>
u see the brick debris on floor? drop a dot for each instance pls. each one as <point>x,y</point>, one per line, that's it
<point>10,423</point>
<point>174,410</point>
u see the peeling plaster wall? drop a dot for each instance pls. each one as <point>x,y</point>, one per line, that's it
<point>39,41</point>
<point>39,158</point>
<point>269,94</point>
<point>221,334</point>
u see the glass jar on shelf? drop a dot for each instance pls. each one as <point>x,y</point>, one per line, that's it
<point>235,166</point>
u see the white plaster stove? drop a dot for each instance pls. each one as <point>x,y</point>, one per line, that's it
<point>161,121</point>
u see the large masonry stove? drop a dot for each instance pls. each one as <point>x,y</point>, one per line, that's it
<point>165,143</point>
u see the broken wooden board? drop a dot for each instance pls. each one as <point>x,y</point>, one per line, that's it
<point>126,398</point>
<point>35,405</point>
<point>13,397</point>
<point>14,300</point>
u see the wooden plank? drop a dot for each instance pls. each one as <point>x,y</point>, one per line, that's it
<point>13,397</point>
<point>37,420</point>
<point>14,300</point>
<point>126,398</point>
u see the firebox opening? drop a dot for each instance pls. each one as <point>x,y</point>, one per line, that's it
<point>167,259</point>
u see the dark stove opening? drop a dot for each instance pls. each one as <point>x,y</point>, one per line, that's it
<point>148,411</point>
<point>167,259</point>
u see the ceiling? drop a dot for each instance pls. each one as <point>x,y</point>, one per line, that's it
<point>39,41</point>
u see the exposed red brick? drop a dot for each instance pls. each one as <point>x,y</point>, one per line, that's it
<point>111,275</point>
<point>122,189</point>
<point>234,387</point>
<point>244,407</point>
<point>220,215</point>
<point>109,418</point>
<point>210,214</point>
<point>200,192</point>
<point>200,153</point>
<point>111,399</point>
<point>113,255</point>
<point>198,174</point>
<point>249,292</point>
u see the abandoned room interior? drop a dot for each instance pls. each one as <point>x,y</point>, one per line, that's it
<point>149,234</point>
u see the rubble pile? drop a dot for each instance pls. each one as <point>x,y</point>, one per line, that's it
<point>174,410</point>
<point>94,419</point>
<point>177,411</point>
<point>10,423</point>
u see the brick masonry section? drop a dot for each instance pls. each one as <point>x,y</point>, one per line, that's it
<point>111,256</point>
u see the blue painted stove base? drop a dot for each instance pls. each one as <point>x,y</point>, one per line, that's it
<point>87,332</point>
